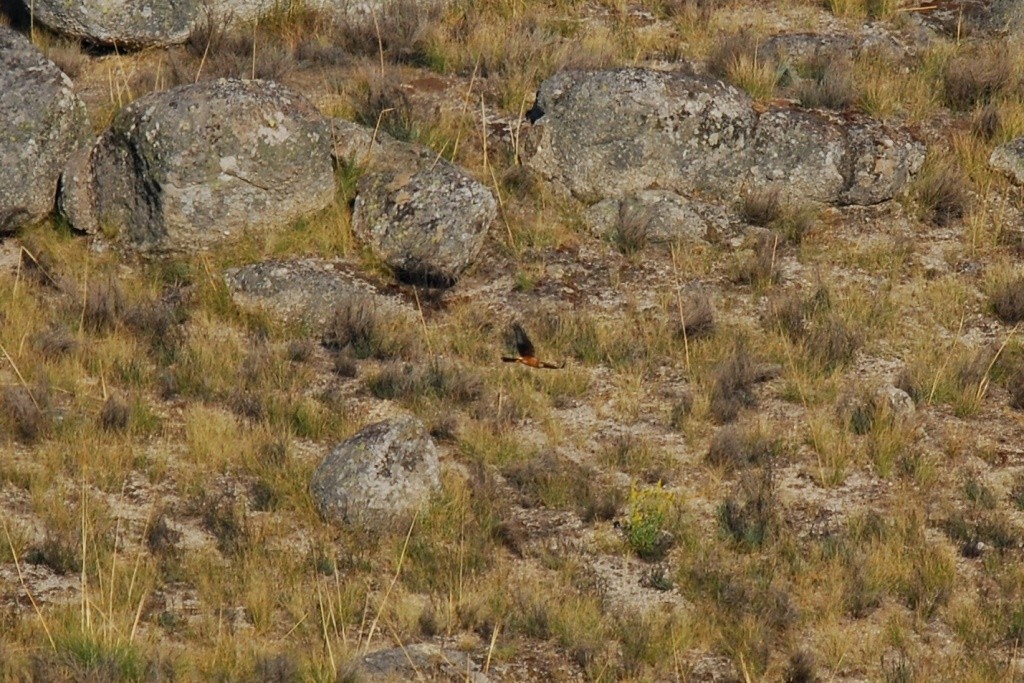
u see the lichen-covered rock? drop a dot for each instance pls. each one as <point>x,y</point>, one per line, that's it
<point>379,476</point>
<point>356,144</point>
<point>894,401</point>
<point>199,164</point>
<point>304,290</point>
<point>42,123</point>
<point>124,23</point>
<point>609,133</point>
<point>799,153</point>
<point>881,160</point>
<point>659,215</point>
<point>1009,158</point>
<point>419,661</point>
<point>424,217</point>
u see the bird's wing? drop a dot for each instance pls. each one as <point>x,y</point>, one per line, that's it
<point>523,344</point>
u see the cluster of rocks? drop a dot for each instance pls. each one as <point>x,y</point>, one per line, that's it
<point>200,164</point>
<point>609,134</point>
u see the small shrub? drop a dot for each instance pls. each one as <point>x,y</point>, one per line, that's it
<point>552,481</point>
<point>160,536</point>
<point>987,123</point>
<point>520,180</point>
<point>39,263</point>
<point>697,317</point>
<point>942,192</point>
<point>225,520</point>
<point>55,342</point>
<point>299,350</point>
<point>435,379</point>
<point>931,581</point>
<point>802,668</point>
<point>681,409</point>
<point>344,365</point>
<point>638,458</point>
<point>759,268</point>
<point>734,447</point>
<point>698,11</point>
<point>649,512</point>
<point>383,104</point>
<point>751,517</point>
<point>831,342</point>
<point>160,323</point>
<point>1017,492</point>
<point>25,414</point>
<point>977,76</point>
<point>632,229</point>
<point>827,340</point>
<point>1014,384</point>
<point>828,84</point>
<point>732,385</point>
<point>762,208</point>
<point>1007,301</point>
<point>402,30</point>
<point>105,304</point>
<point>249,404</point>
<point>735,58</point>
<point>60,551</point>
<point>787,313</point>
<point>116,414</point>
<point>361,327</point>
<point>280,668</point>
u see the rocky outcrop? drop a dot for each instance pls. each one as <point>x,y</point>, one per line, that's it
<point>1009,158</point>
<point>609,133</point>
<point>42,123</point>
<point>136,24</point>
<point>799,153</point>
<point>199,164</point>
<point>124,23</point>
<point>425,217</point>
<point>303,290</point>
<point>381,475</point>
<point>881,160</point>
<point>606,134</point>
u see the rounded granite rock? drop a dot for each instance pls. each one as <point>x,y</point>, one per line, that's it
<point>203,163</point>
<point>42,124</point>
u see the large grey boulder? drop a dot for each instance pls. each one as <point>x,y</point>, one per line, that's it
<point>610,134</point>
<point>425,217</point>
<point>135,24</point>
<point>42,123</point>
<point>203,163</point>
<point>124,23</point>
<point>799,153</point>
<point>307,290</point>
<point>1009,158</point>
<point>379,476</point>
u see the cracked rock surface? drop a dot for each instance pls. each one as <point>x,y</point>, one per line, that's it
<point>42,123</point>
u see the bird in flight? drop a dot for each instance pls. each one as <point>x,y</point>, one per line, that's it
<point>527,354</point>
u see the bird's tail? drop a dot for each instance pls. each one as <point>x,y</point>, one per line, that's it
<point>553,366</point>
<point>508,359</point>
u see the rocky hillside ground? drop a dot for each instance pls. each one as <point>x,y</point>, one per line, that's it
<point>259,267</point>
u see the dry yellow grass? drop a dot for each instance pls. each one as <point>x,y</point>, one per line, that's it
<point>182,540</point>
